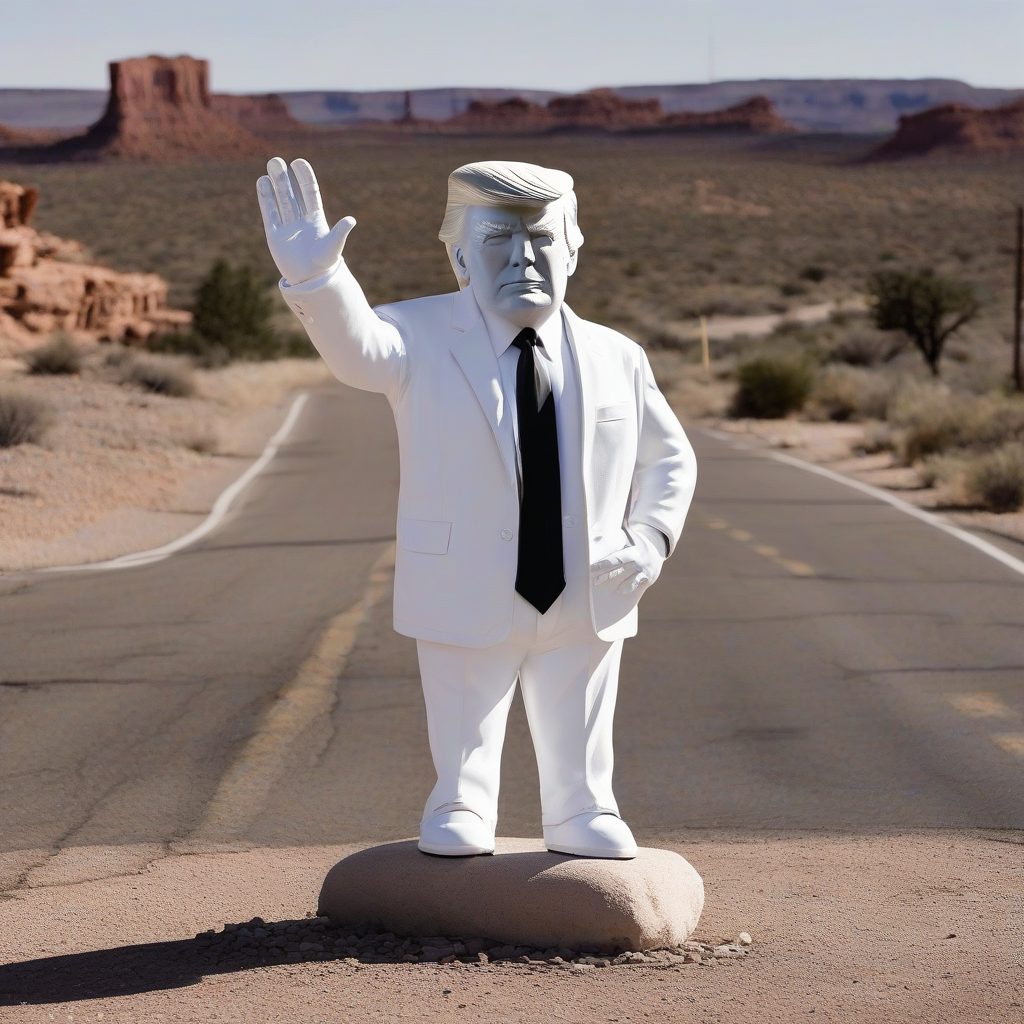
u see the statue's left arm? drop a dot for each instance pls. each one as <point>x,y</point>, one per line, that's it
<point>666,467</point>
<point>663,482</point>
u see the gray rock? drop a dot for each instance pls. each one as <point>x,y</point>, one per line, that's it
<point>522,896</point>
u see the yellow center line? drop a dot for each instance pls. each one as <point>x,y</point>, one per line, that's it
<point>980,705</point>
<point>793,565</point>
<point>246,785</point>
<point>1011,742</point>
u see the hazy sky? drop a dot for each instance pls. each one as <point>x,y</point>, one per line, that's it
<point>258,45</point>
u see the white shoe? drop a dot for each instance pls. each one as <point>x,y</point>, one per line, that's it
<point>592,835</point>
<point>458,833</point>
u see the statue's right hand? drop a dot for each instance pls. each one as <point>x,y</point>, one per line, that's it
<point>302,244</point>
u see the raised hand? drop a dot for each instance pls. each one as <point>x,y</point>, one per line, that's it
<point>302,244</point>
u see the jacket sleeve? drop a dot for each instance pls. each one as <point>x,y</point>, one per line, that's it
<point>666,467</point>
<point>360,348</point>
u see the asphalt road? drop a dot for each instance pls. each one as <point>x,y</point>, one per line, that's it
<point>810,659</point>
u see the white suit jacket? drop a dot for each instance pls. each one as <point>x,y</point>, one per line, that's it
<point>458,506</point>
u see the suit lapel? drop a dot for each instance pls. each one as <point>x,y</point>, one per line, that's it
<point>472,349</point>
<point>576,332</point>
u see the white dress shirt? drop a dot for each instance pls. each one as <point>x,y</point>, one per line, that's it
<point>572,609</point>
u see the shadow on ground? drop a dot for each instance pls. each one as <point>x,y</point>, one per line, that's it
<point>154,966</point>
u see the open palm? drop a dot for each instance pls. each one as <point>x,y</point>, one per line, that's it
<point>300,240</point>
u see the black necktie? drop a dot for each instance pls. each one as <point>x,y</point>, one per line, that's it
<point>541,574</point>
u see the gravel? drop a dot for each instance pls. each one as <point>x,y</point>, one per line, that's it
<point>316,939</point>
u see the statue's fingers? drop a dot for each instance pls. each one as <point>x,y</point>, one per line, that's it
<point>286,201</point>
<point>309,189</point>
<point>268,205</point>
<point>334,243</point>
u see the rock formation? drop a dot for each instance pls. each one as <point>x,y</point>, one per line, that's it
<point>754,115</point>
<point>46,285</point>
<point>262,115</point>
<point>957,128</point>
<point>160,109</point>
<point>604,110</point>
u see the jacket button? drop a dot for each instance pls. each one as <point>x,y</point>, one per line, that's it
<point>506,534</point>
<point>569,521</point>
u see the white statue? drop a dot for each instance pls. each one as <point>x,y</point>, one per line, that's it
<point>544,480</point>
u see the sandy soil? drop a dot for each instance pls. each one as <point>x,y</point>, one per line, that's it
<point>124,470</point>
<point>903,928</point>
<point>836,445</point>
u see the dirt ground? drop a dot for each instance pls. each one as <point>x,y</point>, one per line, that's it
<point>124,470</point>
<point>908,928</point>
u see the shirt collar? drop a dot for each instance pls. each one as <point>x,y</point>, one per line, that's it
<point>502,334</point>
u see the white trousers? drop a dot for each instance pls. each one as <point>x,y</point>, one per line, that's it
<point>569,680</point>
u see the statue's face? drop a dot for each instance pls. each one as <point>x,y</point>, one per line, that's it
<point>517,262</point>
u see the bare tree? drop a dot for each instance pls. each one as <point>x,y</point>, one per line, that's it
<point>926,307</point>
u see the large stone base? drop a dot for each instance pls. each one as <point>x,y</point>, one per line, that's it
<point>522,895</point>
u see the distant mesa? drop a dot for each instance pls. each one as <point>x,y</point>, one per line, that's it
<point>160,109</point>
<point>46,285</point>
<point>603,109</point>
<point>262,115</point>
<point>957,128</point>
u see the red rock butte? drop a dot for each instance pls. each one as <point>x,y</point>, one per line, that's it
<point>956,128</point>
<point>160,109</point>
<point>46,285</point>
<point>604,110</point>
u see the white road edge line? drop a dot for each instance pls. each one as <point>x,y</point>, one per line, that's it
<point>217,513</point>
<point>911,510</point>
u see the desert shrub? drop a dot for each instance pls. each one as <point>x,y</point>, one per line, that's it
<point>996,480</point>
<point>24,419</point>
<point>940,469</point>
<point>815,274</point>
<point>878,437</point>
<point>162,376</point>
<point>933,421</point>
<point>772,385</point>
<point>936,420</point>
<point>233,309</point>
<point>850,393</point>
<point>200,350</point>
<point>865,348</point>
<point>59,355</point>
<point>925,307</point>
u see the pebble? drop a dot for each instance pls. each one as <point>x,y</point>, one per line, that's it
<point>315,938</point>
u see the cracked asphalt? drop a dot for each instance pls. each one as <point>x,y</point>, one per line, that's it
<point>810,660</point>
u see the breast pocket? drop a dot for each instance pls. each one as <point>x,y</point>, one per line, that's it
<point>618,411</point>
<point>426,536</point>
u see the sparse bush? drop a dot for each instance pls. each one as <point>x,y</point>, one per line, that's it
<point>865,348</point>
<point>233,309</point>
<point>932,419</point>
<point>926,307</point>
<point>850,393</point>
<point>877,438</point>
<point>24,419</point>
<point>60,355</point>
<point>162,376</point>
<point>996,481</point>
<point>815,274</point>
<point>772,386</point>
<point>940,469</point>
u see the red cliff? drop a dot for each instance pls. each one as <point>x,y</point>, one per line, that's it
<point>46,285</point>
<point>959,129</point>
<point>160,109</point>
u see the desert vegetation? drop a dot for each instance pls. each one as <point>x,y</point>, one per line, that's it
<point>24,419</point>
<point>675,228</point>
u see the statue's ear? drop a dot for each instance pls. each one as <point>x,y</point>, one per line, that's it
<point>574,255</point>
<point>458,257</point>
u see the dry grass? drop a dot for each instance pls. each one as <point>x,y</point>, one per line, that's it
<point>24,419</point>
<point>674,226</point>
<point>59,355</point>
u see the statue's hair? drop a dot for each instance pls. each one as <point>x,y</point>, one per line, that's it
<point>510,184</point>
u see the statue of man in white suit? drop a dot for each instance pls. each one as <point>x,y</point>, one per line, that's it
<point>544,480</point>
